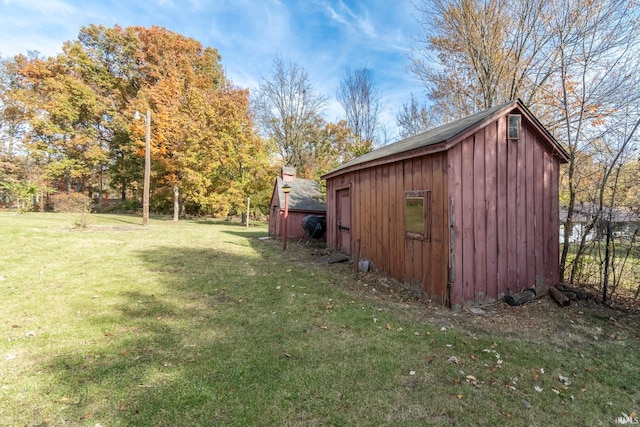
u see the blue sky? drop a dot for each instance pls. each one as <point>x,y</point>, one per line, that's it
<point>323,36</point>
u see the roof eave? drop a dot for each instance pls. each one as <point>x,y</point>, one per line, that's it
<point>444,145</point>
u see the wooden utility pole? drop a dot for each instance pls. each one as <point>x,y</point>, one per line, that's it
<point>147,169</point>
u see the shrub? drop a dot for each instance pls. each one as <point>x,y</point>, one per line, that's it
<point>72,202</point>
<point>130,205</point>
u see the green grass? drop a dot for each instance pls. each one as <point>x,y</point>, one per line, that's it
<point>624,270</point>
<point>199,323</point>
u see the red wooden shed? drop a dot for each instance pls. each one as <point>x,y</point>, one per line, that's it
<point>464,213</point>
<point>305,199</point>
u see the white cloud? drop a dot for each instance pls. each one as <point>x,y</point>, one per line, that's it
<point>354,22</point>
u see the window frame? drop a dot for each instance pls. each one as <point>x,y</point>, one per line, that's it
<point>517,118</point>
<point>425,196</point>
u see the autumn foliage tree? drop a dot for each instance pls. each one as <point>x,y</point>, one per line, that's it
<point>80,108</point>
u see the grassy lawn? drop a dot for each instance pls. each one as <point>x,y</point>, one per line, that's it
<point>200,323</point>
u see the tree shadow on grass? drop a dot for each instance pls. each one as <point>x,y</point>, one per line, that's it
<point>167,354</point>
<point>230,336</point>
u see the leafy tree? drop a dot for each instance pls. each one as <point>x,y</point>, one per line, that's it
<point>12,111</point>
<point>224,161</point>
<point>80,107</point>
<point>65,116</point>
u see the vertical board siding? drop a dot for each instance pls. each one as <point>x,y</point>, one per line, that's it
<point>438,248</point>
<point>521,213</point>
<point>377,199</point>
<point>398,238</point>
<point>376,220</point>
<point>426,272</point>
<point>502,230</point>
<point>491,187</point>
<point>393,220</point>
<point>466,241</point>
<point>409,250</point>
<point>385,218</point>
<point>506,222</point>
<point>531,187</point>
<point>479,217</point>
<point>512,236</point>
<point>365,215</point>
<point>539,223</point>
<point>494,216</point>
<point>456,291</point>
<point>553,265</point>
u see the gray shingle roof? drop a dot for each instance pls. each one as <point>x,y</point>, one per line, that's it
<point>444,134</point>
<point>305,195</point>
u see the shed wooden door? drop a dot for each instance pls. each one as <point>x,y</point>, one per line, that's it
<point>343,217</point>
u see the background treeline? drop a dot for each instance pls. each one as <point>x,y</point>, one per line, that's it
<point>69,125</point>
<point>69,122</point>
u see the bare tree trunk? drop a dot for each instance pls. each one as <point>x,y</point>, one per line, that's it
<point>605,282</point>
<point>176,203</point>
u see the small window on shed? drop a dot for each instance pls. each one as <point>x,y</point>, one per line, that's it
<point>417,214</point>
<point>514,126</point>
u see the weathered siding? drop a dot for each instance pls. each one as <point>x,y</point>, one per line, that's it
<point>504,199</point>
<point>294,220</point>
<point>377,220</point>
